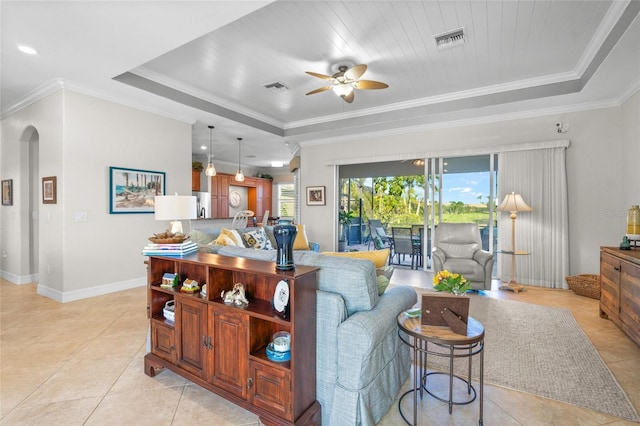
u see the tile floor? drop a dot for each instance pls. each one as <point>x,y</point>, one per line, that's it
<point>81,363</point>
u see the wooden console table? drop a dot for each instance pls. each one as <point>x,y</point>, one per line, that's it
<point>222,347</point>
<point>620,289</point>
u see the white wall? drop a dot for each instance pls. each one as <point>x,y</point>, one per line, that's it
<point>46,117</point>
<point>80,138</point>
<point>602,179</point>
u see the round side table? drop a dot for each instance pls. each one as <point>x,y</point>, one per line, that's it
<point>419,337</point>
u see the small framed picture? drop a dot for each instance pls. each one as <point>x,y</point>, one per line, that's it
<point>315,196</point>
<point>7,192</point>
<point>49,190</point>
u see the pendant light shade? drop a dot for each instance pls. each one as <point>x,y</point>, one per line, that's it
<point>211,169</point>
<point>239,174</point>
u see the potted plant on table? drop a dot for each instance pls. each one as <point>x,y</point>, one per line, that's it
<point>345,218</point>
<point>451,283</point>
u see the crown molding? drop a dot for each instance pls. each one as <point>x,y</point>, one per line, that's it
<point>200,94</point>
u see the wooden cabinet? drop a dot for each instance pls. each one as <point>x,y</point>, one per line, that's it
<point>620,289</point>
<point>222,347</point>
<point>259,195</point>
<point>195,181</point>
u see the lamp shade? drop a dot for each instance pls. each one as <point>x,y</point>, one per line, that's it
<point>514,203</point>
<point>175,207</point>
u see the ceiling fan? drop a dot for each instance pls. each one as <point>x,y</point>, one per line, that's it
<point>346,80</point>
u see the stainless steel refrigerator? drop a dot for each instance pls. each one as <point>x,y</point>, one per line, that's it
<point>203,200</point>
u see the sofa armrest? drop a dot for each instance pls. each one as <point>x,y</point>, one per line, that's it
<point>482,257</point>
<point>367,340</point>
<point>331,312</point>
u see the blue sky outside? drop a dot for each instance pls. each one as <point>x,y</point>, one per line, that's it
<point>465,187</point>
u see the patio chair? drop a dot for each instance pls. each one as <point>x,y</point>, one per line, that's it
<point>403,245</point>
<point>377,230</point>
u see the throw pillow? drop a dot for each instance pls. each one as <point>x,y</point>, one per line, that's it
<point>223,240</point>
<point>234,235</point>
<point>301,242</point>
<point>377,243</point>
<point>378,257</point>
<point>383,283</point>
<point>387,271</point>
<point>257,239</point>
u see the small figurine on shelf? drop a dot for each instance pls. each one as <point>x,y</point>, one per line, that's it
<point>190,286</point>
<point>236,296</point>
<point>169,280</point>
<point>625,244</point>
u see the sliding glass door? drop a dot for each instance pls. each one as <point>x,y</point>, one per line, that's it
<point>463,189</point>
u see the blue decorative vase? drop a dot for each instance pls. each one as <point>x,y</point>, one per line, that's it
<point>285,236</point>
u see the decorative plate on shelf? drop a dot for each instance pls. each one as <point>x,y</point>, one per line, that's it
<point>234,199</point>
<point>281,296</point>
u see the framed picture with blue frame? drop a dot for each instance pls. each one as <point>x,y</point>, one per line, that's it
<point>133,190</point>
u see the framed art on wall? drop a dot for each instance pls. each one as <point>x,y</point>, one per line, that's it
<point>49,190</point>
<point>315,196</point>
<point>134,191</point>
<point>7,192</point>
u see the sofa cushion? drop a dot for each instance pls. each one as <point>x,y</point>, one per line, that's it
<point>234,235</point>
<point>203,236</point>
<point>354,279</point>
<point>378,257</point>
<point>223,240</point>
<point>301,242</point>
<point>257,239</point>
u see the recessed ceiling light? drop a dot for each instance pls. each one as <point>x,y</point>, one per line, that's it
<point>277,164</point>
<point>27,49</point>
<point>203,147</point>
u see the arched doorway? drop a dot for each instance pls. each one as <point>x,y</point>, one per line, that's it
<point>29,164</point>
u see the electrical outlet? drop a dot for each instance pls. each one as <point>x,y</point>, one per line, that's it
<point>81,216</point>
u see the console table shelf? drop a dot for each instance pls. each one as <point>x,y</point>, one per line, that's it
<point>222,347</point>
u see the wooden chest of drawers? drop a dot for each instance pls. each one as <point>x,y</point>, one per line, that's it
<point>620,289</point>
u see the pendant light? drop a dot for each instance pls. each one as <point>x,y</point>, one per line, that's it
<point>211,169</point>
<point>239,174</point>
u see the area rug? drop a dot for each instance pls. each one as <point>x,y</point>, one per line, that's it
<point>542,351</point>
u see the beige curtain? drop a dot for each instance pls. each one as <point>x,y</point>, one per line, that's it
<point>540,176</point>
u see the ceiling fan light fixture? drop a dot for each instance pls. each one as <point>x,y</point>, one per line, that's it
<point>342,89</point>
<point>211,169</point>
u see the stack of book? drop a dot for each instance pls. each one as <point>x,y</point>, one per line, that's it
<point>179,249</point>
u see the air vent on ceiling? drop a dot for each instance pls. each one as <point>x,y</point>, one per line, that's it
<point>275,86</point>
<point>450,38</point>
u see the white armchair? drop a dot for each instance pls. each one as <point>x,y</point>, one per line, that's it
<point>457,247</point>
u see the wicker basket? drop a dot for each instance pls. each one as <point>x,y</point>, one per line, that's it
<point>585,285</point>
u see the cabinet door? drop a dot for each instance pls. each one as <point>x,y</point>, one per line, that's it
<point>163,341</point>
<point>230,350</point>
<point>270,389</point>
<point>630,299</point>
<point>610,285</point>
<point>192,337</point>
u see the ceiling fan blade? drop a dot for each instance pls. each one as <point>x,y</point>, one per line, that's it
<point>321,76</point>
<point>356,72</point>
<point>321,89</point>
<point>370,85</point>
<point>348,98</point>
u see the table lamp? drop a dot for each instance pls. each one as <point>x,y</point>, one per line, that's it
<point>513,203</point>
<point>174,208</point>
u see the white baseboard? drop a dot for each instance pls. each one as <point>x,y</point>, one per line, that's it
<point>86,293</point>
<point>19,279</point>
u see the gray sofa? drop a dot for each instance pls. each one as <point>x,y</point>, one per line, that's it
<point>205,237</point>
<point>361,362</point>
